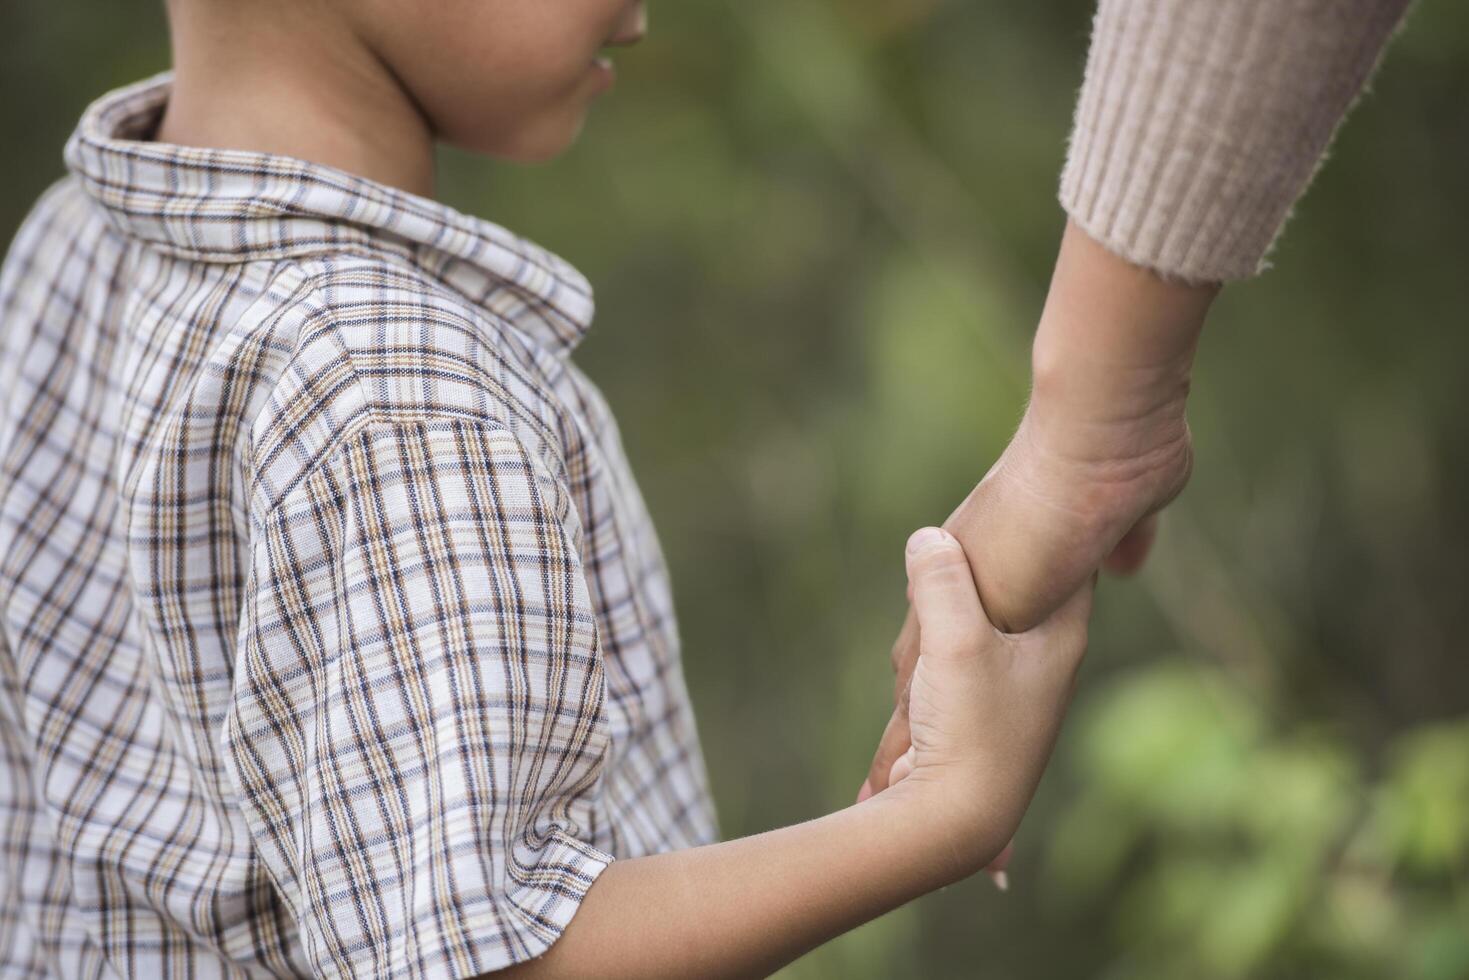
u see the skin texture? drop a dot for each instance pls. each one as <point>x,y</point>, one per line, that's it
<point>510,78</point>
<point>1103,446</point>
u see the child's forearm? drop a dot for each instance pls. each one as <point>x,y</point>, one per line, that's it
<point>747,907</point>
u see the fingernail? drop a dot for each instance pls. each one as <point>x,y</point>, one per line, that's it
<point>925,538</point>
<point>866,790</point>
<point>1001,880</point>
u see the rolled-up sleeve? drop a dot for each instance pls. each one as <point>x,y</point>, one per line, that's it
<point>418,728</point>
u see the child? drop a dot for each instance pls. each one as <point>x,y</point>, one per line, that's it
<point>336,638</point>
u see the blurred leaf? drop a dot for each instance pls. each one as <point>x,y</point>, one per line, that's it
<point>1422,811</point>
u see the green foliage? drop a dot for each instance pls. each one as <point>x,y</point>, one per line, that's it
<point>1235,847</point>
<point>820,232</point>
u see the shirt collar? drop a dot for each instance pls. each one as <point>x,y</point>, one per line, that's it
<point>235,206</point>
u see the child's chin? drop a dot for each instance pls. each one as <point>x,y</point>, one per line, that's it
<point>540,142</point>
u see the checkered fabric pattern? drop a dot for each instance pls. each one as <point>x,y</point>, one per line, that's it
<point>336,638</point>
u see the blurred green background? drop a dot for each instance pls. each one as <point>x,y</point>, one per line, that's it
<point>820,232</point>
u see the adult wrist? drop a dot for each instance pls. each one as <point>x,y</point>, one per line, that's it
<point>1115,346</point>
<point>1125,313</point>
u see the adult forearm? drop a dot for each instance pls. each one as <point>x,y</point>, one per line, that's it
<point>1116,344</point>
<point>1104,442</point>
<point>744,908</point>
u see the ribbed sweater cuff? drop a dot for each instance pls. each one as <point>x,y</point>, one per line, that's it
<point>1201,121</point>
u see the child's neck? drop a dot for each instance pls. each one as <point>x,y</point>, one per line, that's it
<point>310,91</point>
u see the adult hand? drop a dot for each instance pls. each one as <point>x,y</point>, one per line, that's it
<point>1104,445</point>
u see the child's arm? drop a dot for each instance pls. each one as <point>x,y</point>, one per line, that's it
<point>748,907</point>
<point>985,711</point>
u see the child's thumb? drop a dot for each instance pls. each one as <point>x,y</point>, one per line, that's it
<point>950,617</point>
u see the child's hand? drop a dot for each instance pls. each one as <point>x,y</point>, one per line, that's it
<point>984,707</point>
<point>985,711</point>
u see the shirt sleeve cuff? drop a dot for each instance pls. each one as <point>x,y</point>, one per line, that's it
<point>501,928</point>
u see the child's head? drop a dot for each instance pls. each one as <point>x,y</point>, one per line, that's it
<point>507,77</point>
<point>510,78</point>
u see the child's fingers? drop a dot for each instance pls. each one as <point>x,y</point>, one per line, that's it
<point>895,741</point>
<point>998,869</point>
<point>902,766</point>
<point>951,620</point>
<point>905,651</point>
<point>938,569</point>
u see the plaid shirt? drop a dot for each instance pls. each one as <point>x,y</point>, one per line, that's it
<point>336,638</point>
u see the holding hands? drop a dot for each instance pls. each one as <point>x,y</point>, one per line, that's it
<point>1104,445</point>
<point>983,707</point>
<point>982,684</point>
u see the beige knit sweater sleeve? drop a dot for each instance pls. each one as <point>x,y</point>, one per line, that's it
<point>1201,122</point>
